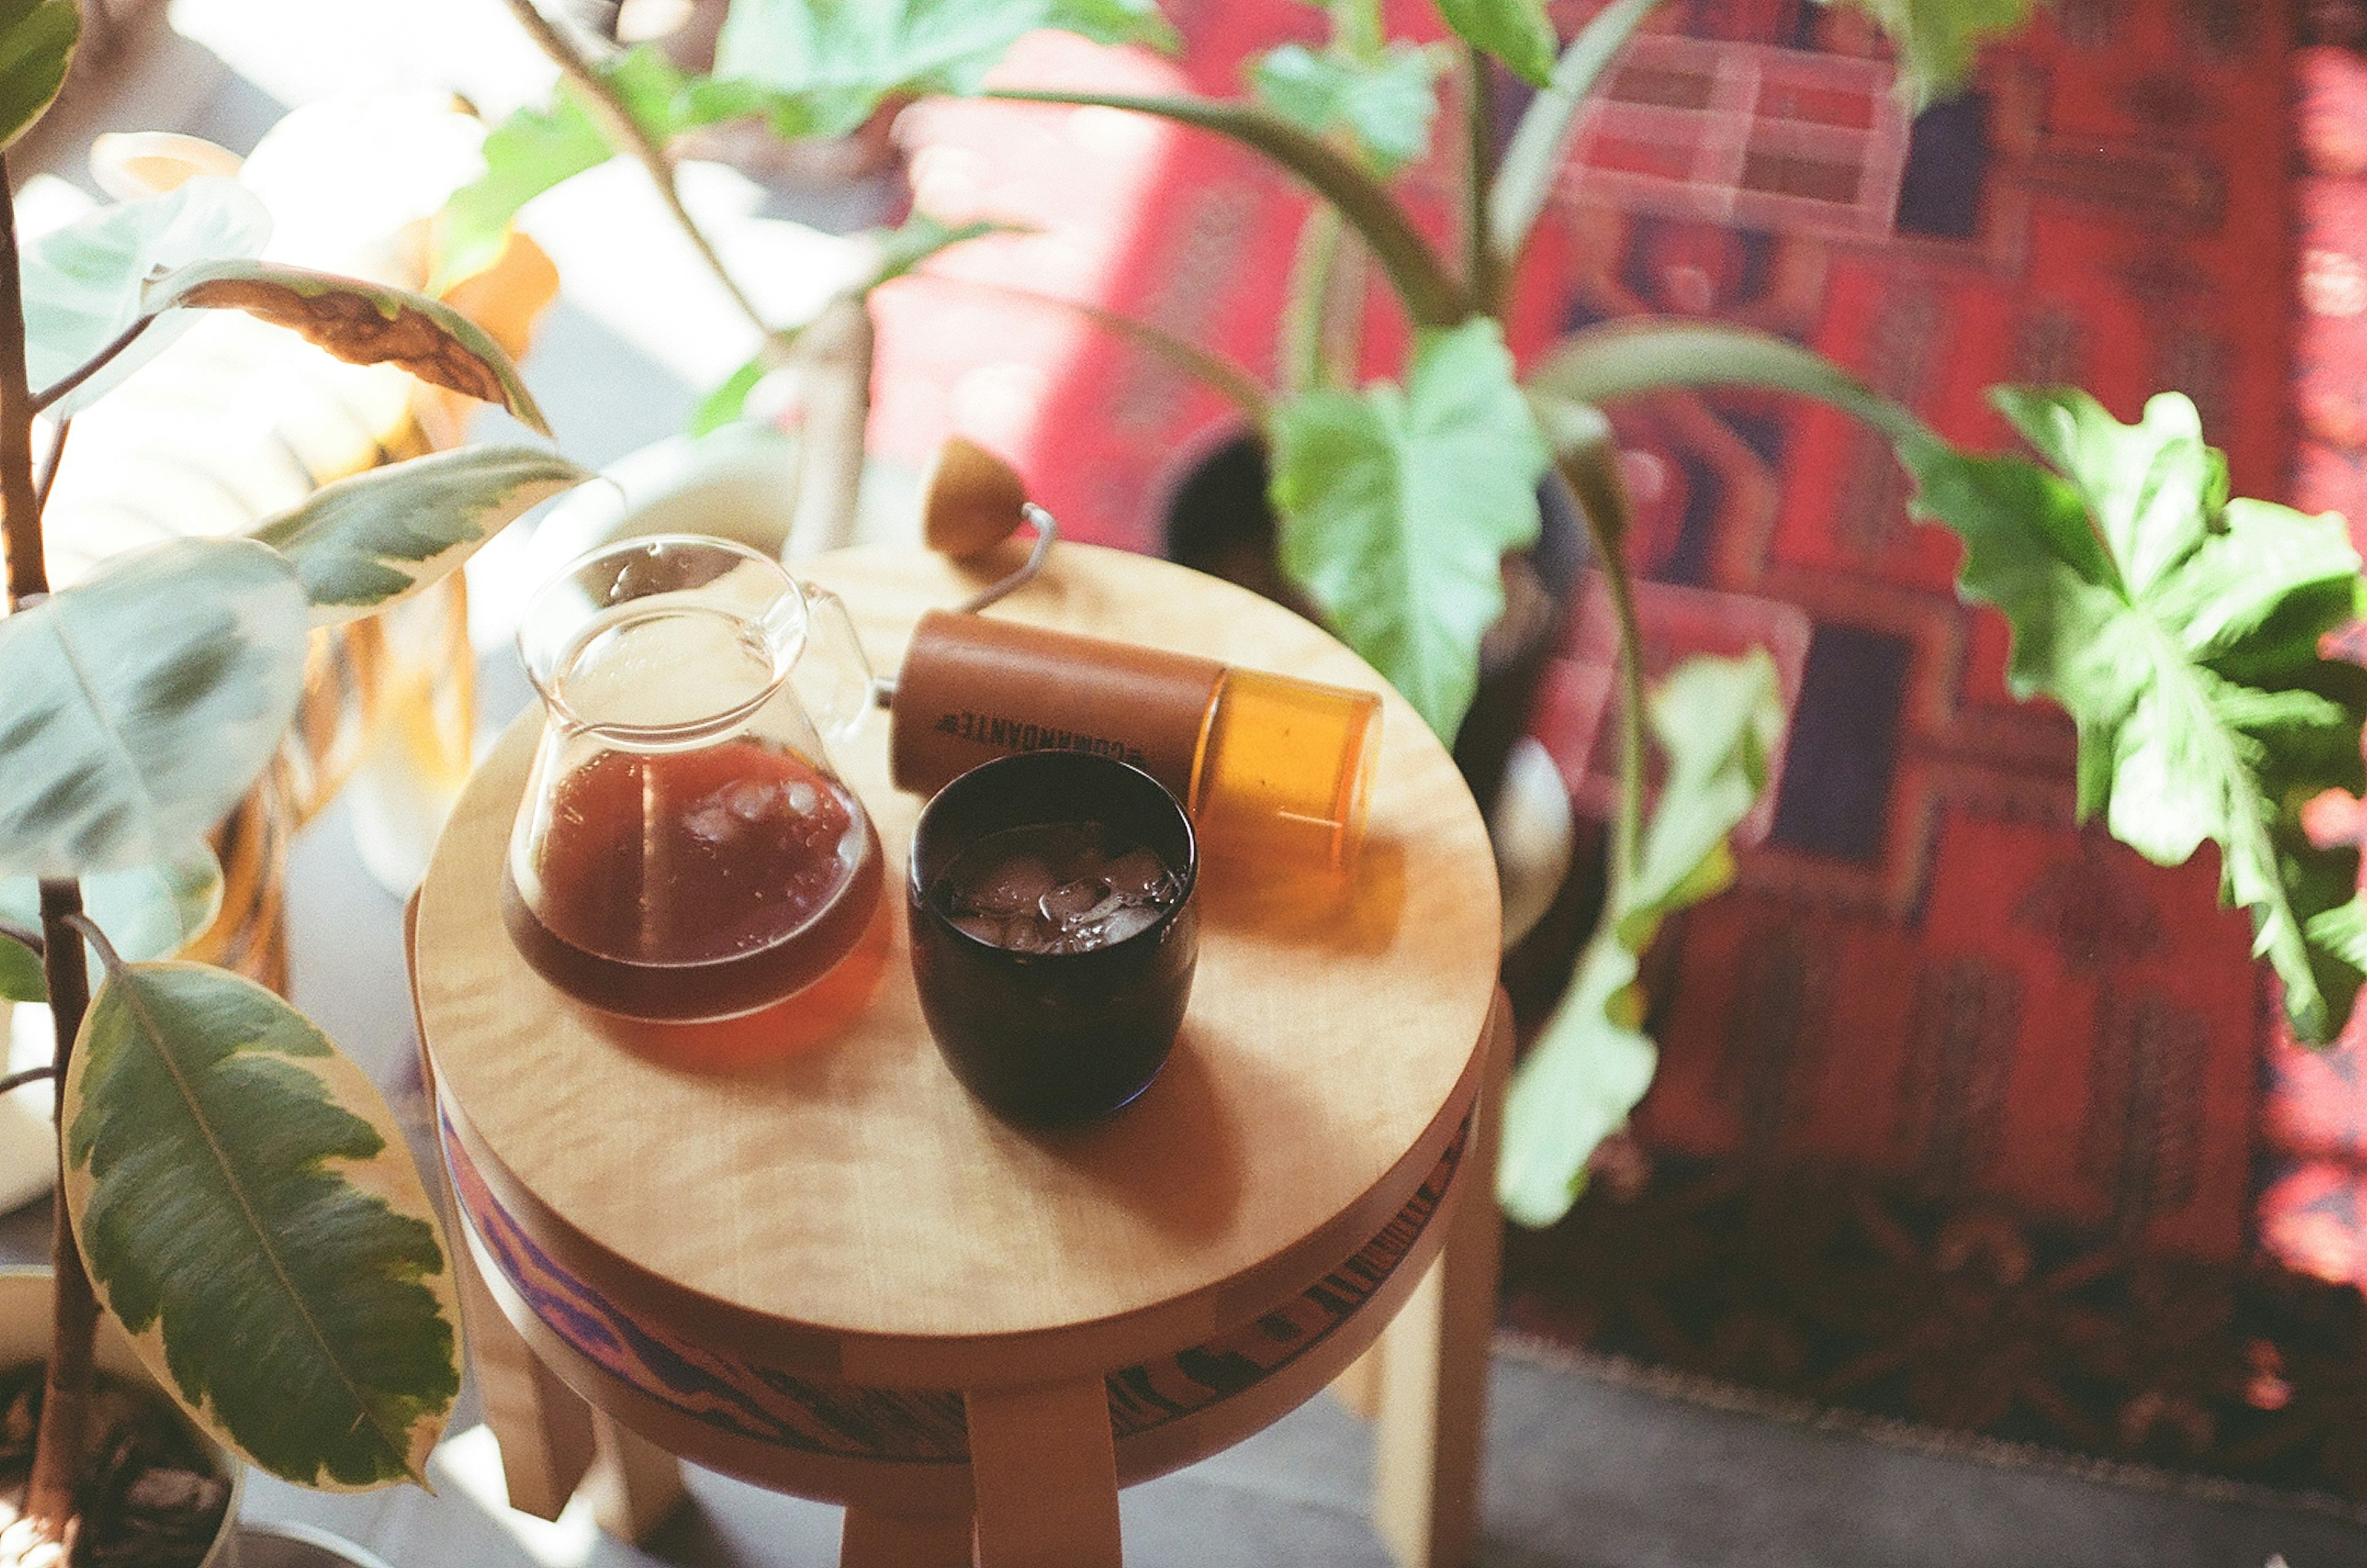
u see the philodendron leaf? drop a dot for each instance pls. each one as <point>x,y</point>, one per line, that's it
<point>1718,722</point>
<point>140,703</point>
<point>1517,32</point>
<point>1939,42</point>
<point>84,283</point>
<point>248,1208</point>
<point>382,535</point>
<point>36,41</point>
<point>1396,506</point>
<point>821,67</point>
<point>1385,104</point>
<point>363,324</point>
<point>147,912</point>
<point>2180,630</point>
<point>537,149</point>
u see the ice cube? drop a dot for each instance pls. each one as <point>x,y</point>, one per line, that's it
<point>1025,933</point>
<point>803,798</point>
<point>1009,886</point>
<point>1073,900</point>
<point>711,825</point>
<point>1131,920</point>
<point>1138,878</point>
<point>748,800</point>
<point>986,928</point>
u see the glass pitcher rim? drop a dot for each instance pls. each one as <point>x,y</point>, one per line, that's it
<point>785,642</point>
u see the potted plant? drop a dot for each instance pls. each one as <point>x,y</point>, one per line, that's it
<point>2178,627</point>
<point>232,1190</point>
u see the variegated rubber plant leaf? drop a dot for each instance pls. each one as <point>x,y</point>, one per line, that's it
<point>363,324</point>
<point>365,542</point>
<point>249,1210</point>
<point>147,912</point>
<point>37,41</point>
<point>142,703</point>
<point>83,284</point>
<point>1718,722</point>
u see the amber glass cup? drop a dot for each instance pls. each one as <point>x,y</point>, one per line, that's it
<point>1049,1037</point>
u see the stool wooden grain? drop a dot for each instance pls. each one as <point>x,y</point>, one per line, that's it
<point>794,1250</point>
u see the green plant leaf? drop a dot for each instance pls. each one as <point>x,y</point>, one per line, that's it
<point>21,979</point>
<point>385,534</point>
<point>249,1211</point>
<point>537,149</point>
<point>2180,630</point>
<point>1718,722</point>
<point>142,703</point>
<point>83,283</point>
<point>37,41</point>
<point>147,912</point>
<point>1939,42</point>
<point>1517,32</point>
<point>362,323</point>
<point>1386,105</point>
<point>919,237</point>
<point>821,67</point>
<point>725,404</point>
<point>1396,506</point>
<point>1526,178</point>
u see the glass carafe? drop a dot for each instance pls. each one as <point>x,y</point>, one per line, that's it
<point>685,851</point>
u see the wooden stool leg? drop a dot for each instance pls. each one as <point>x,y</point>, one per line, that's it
<point>543,1430</point>
<point>1359,1388</point>
<point>903,1540</point>
<point>1044,1468</point>
<point>636,1486</point>
<point>1433,1396</point>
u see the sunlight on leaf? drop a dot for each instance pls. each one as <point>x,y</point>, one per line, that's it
<point>85,283</point>
<point>142,703</point>
<point>2180,629</point>
<point>387,533</point>
<point>361,323</point>
<point>293,1289</point>
<point>1718,722</point>
<point>1396,506</point>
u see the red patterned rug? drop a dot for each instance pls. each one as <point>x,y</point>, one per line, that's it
<point>1966,1116</point>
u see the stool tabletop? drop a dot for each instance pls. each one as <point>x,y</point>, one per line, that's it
<point>848,1206</point>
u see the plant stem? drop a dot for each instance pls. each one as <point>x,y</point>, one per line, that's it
<point>1479,261</point>
<point>1306,310</point>
<point>623,132</point>
<point>94,364</point>
<point>20,513</point>
<point>49,462</point>
<point>1431,297</point>
<point>73,1322</point>
<point>18,1079</point>
<point>1627,833</point>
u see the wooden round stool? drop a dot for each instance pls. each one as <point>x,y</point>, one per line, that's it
<point>795,1249</point>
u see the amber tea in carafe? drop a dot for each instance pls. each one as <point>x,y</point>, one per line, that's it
<point>685,851</point>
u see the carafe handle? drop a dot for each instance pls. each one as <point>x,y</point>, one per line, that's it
<point>833,677</point>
